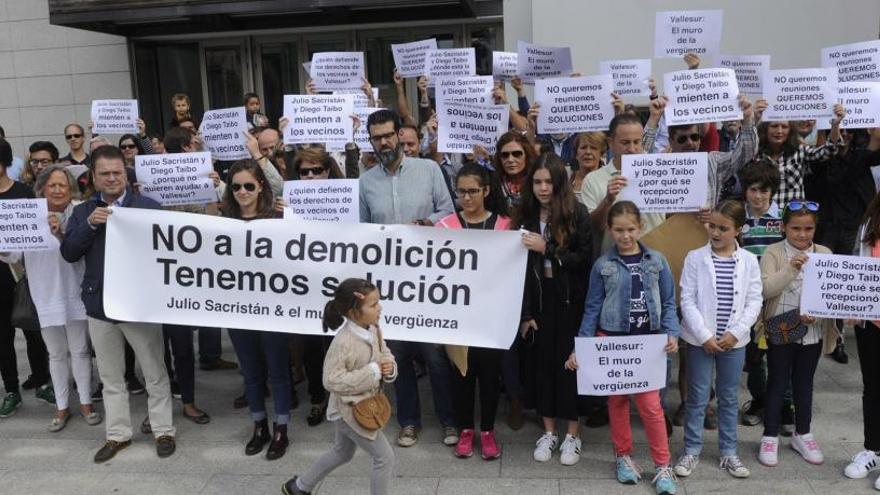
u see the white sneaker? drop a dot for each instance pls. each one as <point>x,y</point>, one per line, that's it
<point>808,448</point>
<point>686,464</point>
<point>877,483</point>
<point>862,463</point>
<point>769,453</point>
<point>733,465</point>
<point>570,450</point>
<point>544,447</point>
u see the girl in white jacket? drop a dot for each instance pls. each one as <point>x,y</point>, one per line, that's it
<point>720,300</point>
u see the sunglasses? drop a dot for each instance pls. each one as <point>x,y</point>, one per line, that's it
<point>248,186</point>
<point>127,146</point>
<point>306,171</point>
<point>685,137</point>
<point>798,205</point>
<point>72,136</point>
<point>516,154</point>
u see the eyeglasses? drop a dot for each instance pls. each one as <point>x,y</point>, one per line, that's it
<point>306,171</point>
<point>45,161</point>
<point>798,205</point>
<point>683,138</point>
<point>72,136</point>
<point>381,137</point>
<point>468,192</point>
<point>127,146</point>
<point>516,154</point>
<point>248,186</point>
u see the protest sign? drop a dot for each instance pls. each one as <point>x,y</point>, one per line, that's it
<point>472,89</point>
<point>223,132</point>
<point>800,94</point>
<point>176,178</point>
<point>574,104</point>
<point>329,200</point>
<point>862,102</point>
<point>630,76</point>
<point>702,95</point>
<point>536,62</point>
<point>362,136</point>
<point>504,65</point>
<point>318,118</point>
<point>688,31</point>
<point>461,126</point>
<point>854,61</point>
<point>24,226</point>
<point>750,71</point>
<point>666,182</point>
<point>451,62</point>
<point>620,365</point>
<point>838,286</point>
<point>277,275</point>
<point>360,98</point>
<point>337,70</point>
<point>114,117</point>
<point>410,58</point>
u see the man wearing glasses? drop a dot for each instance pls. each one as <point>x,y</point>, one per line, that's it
<point>74,134</point>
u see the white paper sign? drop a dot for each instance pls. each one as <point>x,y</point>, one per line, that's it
<point>837,286</point>
<point>800,94</point>
<point>337,70</point>
<point>176,178</point>
<point>666,182</point>
<point>24,226</point>
<point>504,65</point>
<point>410,58</point>
<point>318,118</point>
<point>461,126</point>
<point>630,76</point>
<point>476,90</point>
<point>327,200</point>
<point>223,132</point>
<point>620,365</point>
<point>702,95</point>
<point>862,102</point>
<point>277,275</point>
<point>574,104</point>
<point>688,31</point>
<point>362,136</point>
<point>536,62</point>
<point>451,62</point>
<point>750,71</point>
<point>855,61</point>
<point>115,116</point>
<point>360,99</point>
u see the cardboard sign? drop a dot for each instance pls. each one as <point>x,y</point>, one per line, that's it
<point>327,200</point>
<point>630,76</point>
<point>800,94</point>
<point>535,62</point>
<point>838,286</point>
<point>114,117</point>
<point>337,70</point>
<point>223,132</point>
<point>504,65</point>
<point>620,365</point>
<point>318,118</point>
<point>176,178</point>
<point>461,126</point>
<point>862,102</point>
<point>702,95</point>
<point>666,182</point>
<point>574,104</point>
<point>451,62</point>
<point>750,71</point>
<point>24,226</point>
<point>855,61</point>
<point>689,31</point>
<point>410,58</point>
<point>476,90</point>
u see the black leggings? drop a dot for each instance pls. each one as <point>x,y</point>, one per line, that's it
<point>795,362</point>
<point>483,365</point>
<point>868,341</point>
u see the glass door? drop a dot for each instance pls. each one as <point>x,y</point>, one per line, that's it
<point>227,77</point>
<point>279,70</point>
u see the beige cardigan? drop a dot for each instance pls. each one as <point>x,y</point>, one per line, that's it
<point>349,372</point>
<point>776,274</point>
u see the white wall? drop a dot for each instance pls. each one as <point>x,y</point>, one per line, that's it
<point>50,74</point>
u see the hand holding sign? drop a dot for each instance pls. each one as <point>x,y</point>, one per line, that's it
<point>620,365</point>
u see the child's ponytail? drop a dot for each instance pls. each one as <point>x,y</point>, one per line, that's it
<point>349,297</point>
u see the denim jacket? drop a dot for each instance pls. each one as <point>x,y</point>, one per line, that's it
<point>608,299</point>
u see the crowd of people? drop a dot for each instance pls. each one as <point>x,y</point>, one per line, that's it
<point>777,192</point>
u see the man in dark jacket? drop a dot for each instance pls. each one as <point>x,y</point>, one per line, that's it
<point>84,238</point>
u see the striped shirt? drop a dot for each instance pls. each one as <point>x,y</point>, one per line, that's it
<point>724,268</point>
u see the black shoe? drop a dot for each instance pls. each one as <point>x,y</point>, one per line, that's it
<point>165,446</point>
<point>260,438</point>
<point>134,386</point>
<point>109,449</point>
<point>98,393</point>
<point>33,382</point>
<point>175,390</point>
<point>279,443</point>
<point>316,415</point>
<point>839,354</point>
<point>217,365</point>
<point>753,412</point>
<point>290,488</point>
<point>146,428</point>
<point>240,402</point>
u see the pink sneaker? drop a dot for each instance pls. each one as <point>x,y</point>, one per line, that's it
<point>465,445</point>
<point>488,448</point>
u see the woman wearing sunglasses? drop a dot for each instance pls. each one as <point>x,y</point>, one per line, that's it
<point>248,197</point>
<point>514,156</point>
<point>314,163</point>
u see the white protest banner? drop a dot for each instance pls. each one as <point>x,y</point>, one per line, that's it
<point>688,31</point>
<point>277,275</point>
<point>318,118</point>
<point>329,200</point>
<point>630,76</point>
<point>855,61</point>
<point>337,70</point>
<point>800,94</point>
<point>410,58</point>
<point>223,132</point>
<point>461,126</point>
<point>472,89</point>
<point>537,62</point>
<point>620,365</point>
<point>362,136</point>
<point>24,226</point>
<point>504,65</point>
<point>451,62</point>
<point>862,102</point>
<point>115,116</point>
<point>666,182</point>
<point>176,178</point>
<point>360,98</point>
<point>750,71</point>
<point>838,286</point>
<point>574,104</point>
<point>701,95</point>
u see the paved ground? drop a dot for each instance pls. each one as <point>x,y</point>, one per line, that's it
<point>210,459</point>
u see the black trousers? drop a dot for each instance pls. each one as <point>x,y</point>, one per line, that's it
<point>314,349</point>
<point>38,356</point>
<point>868,341</point>
<point>797,363</point>
<point>484,365</point>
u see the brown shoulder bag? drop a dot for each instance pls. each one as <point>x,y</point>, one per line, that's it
<point>373,412</point>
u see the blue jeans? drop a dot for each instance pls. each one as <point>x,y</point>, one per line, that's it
<point>728,368</point>
<point>209,344</point>
<point>249,345</point>
<point>406,387</point>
